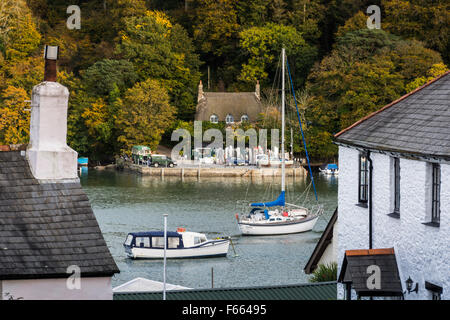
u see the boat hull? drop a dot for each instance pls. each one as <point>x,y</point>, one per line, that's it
<point>259,229</point>
<point>211,248</point>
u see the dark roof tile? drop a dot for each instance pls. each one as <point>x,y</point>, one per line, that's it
<point>46,227</point>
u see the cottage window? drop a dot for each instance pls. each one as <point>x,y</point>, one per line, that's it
<point>396,187</point>
<point>363,179</point>
<point>436,194</point>
<point>244,118</point>
<point>214,118</point>
<point>229,119</point>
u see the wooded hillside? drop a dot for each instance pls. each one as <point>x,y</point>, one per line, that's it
<point>134,65</point>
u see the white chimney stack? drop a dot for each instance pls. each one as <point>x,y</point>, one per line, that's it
<point>48,154</point>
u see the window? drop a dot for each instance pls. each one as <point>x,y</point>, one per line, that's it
<point>396,187</point>
<point>363,179</point>
<point>244,118</point>
<point>435,290</point>
<point>143,242</point>
<point>436,194</point>
<point>229,119</point>
<point>129,240</point>
<point>158,242</point>
<point>214,118</point>
<point>173,242</point>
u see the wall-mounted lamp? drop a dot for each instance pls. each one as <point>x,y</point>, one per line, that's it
<point>409,285</point>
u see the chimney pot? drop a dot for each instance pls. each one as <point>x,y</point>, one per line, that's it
<point>50,55</point>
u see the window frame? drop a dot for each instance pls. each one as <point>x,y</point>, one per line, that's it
<point>396,195</point>
<point>435,193</point>
<point>363,186</point>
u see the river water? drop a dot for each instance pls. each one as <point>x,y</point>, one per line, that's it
<point>127,202</point>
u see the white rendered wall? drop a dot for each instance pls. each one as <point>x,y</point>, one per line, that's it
<point>330,253</point>
<point>422,251</point>
<point>96,288</point>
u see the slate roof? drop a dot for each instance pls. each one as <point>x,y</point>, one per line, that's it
<point>222,103</point>
<point>417,123</point>
<point>44,228</point>
<point>304,291</point>
<point>355,271</point>
<point>322,244</point>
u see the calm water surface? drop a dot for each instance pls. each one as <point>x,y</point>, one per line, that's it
<point>126,202</point>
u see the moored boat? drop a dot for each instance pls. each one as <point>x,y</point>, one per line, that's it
<point>331,169</point>
<point>289,218</point>
<point>180,244</point>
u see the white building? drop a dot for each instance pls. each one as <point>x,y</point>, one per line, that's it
<point>51,247</point>
<point>394,193</point>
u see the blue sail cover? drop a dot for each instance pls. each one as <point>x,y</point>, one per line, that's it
<point>332,166</point>
<point>279,202</point>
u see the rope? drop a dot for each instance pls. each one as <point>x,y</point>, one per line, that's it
<point>301,129</point>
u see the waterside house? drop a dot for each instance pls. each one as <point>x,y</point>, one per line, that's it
<point>229,107</point>
<point>394,199</point>
<point>51,246</point>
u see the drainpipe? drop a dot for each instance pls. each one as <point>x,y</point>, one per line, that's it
<point>370,199</point>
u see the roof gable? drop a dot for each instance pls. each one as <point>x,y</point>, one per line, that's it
<point>417,123</point>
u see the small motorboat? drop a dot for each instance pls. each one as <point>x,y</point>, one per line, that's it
<point>180,244</point>
<point>331,169</point>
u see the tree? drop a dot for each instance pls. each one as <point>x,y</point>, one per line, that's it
<point>162,51</point>
<point>215,26</point>
<point>102,77</point>
<point>263,46</point>
<point>366,70</point>
<point>14,119</point>
<point>144,116</point>
<point>435,71</point>
<point>424,20</point>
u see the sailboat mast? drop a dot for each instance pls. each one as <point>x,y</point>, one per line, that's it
<point>283,59</point>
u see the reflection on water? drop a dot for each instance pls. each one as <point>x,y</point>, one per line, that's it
<point>126,202</point>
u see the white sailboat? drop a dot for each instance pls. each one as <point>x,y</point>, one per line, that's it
<point>285,218</point>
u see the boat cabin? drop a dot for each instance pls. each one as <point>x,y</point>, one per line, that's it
<point>155,239</point>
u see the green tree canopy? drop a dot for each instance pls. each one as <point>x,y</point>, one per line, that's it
<point>101,78</point>
<point>145,114</point>
<point>160,50</point>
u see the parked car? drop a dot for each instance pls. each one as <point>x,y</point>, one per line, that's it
<point>160,160</point>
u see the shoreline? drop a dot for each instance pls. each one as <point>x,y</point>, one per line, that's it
<point>231,172</point>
